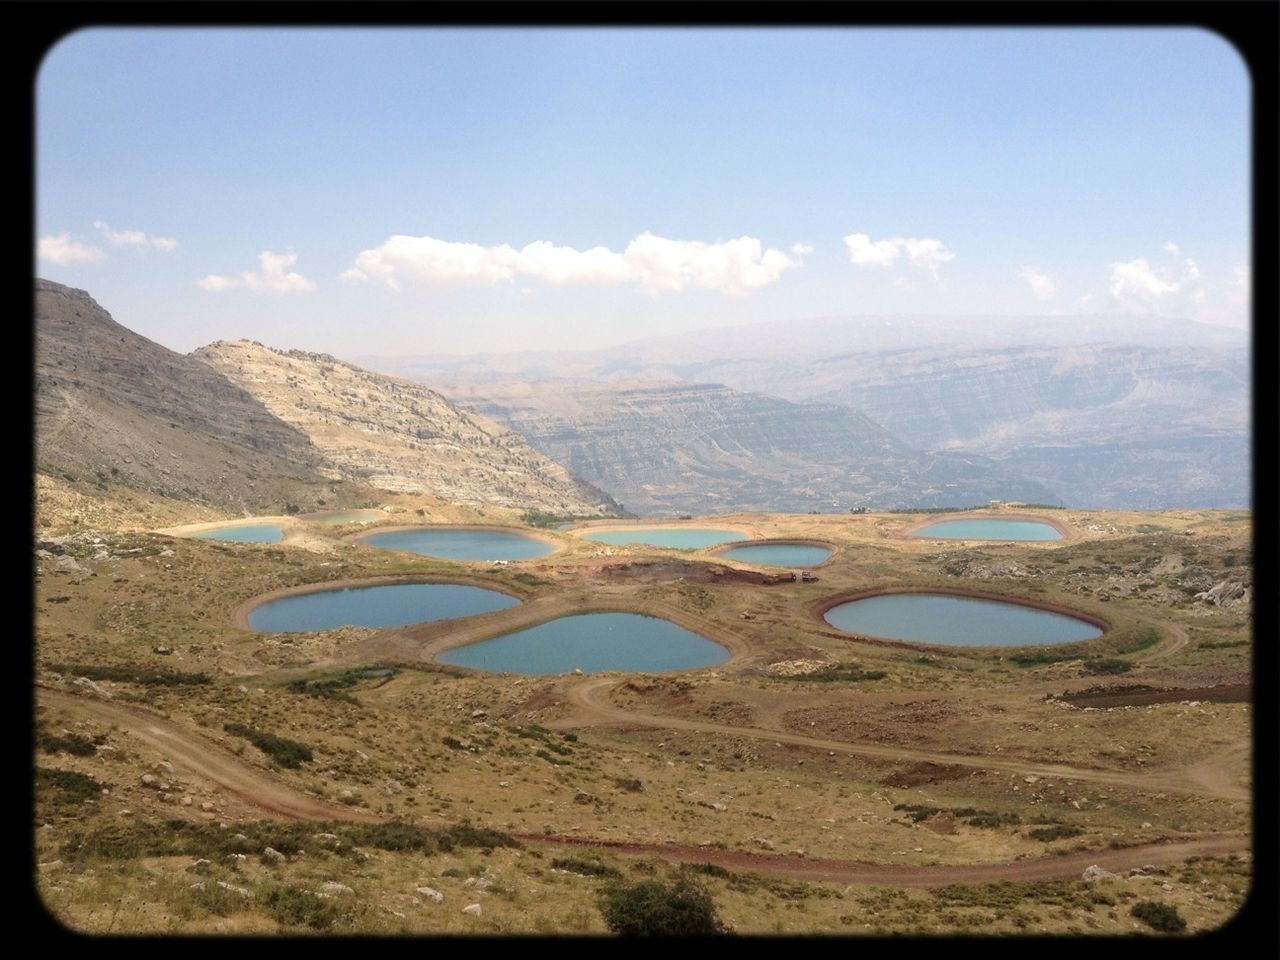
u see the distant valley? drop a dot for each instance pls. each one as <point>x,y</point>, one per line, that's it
<point>670,448</point>
<point>1140,415</point>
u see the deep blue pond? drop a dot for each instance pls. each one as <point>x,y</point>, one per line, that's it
<point>386,605</point>
<point>590,642</point>
<point>957,621</point>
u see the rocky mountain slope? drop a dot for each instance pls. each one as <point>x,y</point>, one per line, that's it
<point>676,448</point>
<point>1108,412</point>
<point>398,435</point>
<point>117,410</point>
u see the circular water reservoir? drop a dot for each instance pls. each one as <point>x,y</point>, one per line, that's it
<point>679,538</point>
<point>461,544</point>
<point>989,529</point>
<point>388,605</point>
<point>957,621</point>
<point>252,533</point>
<point>347,516</point>
<point>590,642</point>
<point>779,554</point>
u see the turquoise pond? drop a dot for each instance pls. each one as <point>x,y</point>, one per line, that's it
<point>252,533</point>
<point>779,554</point>
<point>957,621</point>
<point>590,642</point>
<point>387,605</point>
<point>347,516</point>
<point>989,529</point>
<point>461,544</point>
<point>679,538</point>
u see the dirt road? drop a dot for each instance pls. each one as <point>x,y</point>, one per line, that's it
<point>591,701</point>
<point>195,755</point>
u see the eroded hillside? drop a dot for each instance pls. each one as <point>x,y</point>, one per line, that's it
<point>114,409</point>
<point>673,448</point>
<point>398,435</point>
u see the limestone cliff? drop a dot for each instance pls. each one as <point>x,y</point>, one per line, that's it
<point>398,435</point>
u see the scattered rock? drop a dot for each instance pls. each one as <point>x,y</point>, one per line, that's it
<point>431,894</point>
<point>472,910</point>
<point>163,651</point>
<point>84,683</point>
<point>477,714</point>
<point>1094,873</point>
<point>332,888</point>
<point>164,765</point>
<point>392,787</point>
<point>326,838</point>
<point>243,893</point>
<point>200,866</point>
<point>69,565</point>
<point>149,780</point>
<point>207,807</point>
<point>272,855</point>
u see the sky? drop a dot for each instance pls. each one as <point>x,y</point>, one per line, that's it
<point>429,190</point>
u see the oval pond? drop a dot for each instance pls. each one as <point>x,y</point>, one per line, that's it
<point>678,538</point>
<point>957,621</point>
<point>779,554</point>
<point>590,642</point>
<point>251,533</point>
<point>461,544</point>
<point>977,528</point>
<point>386,605</point>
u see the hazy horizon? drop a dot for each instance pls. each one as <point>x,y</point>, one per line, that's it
<point>459,191</point>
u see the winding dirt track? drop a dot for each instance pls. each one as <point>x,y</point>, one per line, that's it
<point>194,754</point>
<point>590,698</point>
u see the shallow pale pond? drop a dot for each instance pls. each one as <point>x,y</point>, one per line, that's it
<point>461,544</point>
<point>249,533</point>
<point>988,529</point>
<point>679,538</point>
<point>957,621</point>
<point>779,554</point>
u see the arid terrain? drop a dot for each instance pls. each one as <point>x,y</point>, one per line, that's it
<point>817,781</point>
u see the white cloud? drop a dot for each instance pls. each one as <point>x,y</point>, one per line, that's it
<point>1041,284</point>
<point>1242,276</point>
<point>923,253</point>
<point>655,263</point>
<point>62,249</point>
<point>271,276</point>
<point>1138,285</point>
<point>133,238</point>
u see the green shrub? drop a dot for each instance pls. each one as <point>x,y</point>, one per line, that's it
<point>65,790</point>
<point>132,673</point>
<point>652,908</point>
<point>287,753</point>
<point>1107,666</point>
<point>587,868</point>
<point>1059,832</point>
<point>1158,916</point>
<point>296,907</point>
<point>73,743</point>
